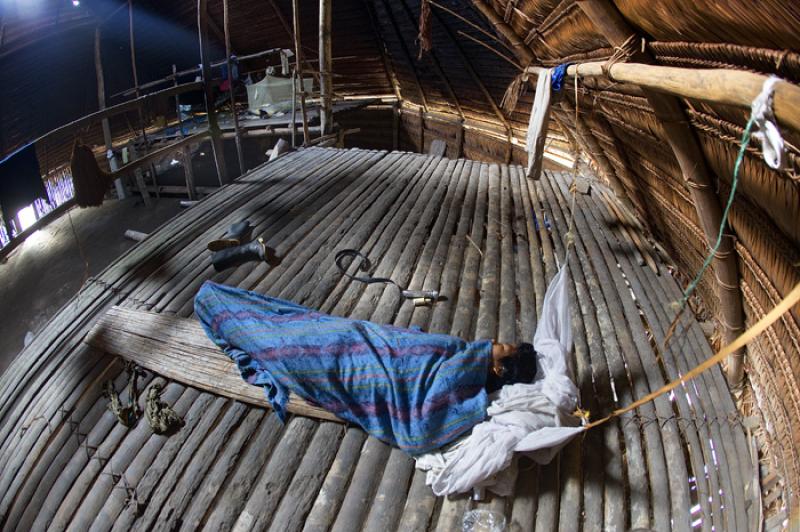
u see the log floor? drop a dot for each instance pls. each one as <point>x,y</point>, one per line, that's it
<point>483,235</point>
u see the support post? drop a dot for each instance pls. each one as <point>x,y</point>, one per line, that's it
<point>294,107</point>
<point>325,65</point>
<point>177,100</point>
<point>101,104</point>
<point>238,134</point>
<point>188,172</point>
<point>133,67</point>
<point>205,62</point>
<point>298,56</point>
<point>685,147</point>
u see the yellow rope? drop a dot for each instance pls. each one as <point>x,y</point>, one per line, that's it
<point>746,337</point>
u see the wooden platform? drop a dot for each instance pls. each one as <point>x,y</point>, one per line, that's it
<point>488,240</point>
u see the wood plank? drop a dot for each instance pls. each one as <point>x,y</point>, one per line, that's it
<point>179,349</point>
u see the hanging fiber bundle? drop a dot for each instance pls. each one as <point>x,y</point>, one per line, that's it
<point>515,89</point>
<point>424,37</point>
<point>89,180</point>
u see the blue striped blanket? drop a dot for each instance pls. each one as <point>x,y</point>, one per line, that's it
<point>414,390</point>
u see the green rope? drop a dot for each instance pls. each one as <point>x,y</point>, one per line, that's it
<point>745,142</point>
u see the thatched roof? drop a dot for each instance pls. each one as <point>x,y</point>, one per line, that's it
<point>453,92</point>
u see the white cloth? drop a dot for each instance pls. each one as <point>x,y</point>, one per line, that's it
<point>764,120</point>
<point>537,125</point>
<point>535,419</point>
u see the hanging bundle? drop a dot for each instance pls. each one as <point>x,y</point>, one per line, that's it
<point>514,91</point>
<point>89,180</point>
<point>160,416</point>
<point>128,414</point>
<point>424,37</point>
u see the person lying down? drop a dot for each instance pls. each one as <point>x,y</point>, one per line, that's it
<point>460,408</point>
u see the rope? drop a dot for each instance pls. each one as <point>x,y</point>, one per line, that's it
<point>720,234</point>
<point>746,337</point>
<point>621,53</point>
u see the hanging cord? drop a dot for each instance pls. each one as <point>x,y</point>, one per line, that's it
<point>573,187</point>
<point>427,296</point>
<point>761,116</point>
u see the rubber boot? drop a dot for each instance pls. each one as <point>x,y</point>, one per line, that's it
<point>235,256</point>
<point>237,234</point>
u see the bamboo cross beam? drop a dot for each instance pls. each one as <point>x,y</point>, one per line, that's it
<point>713,85</point>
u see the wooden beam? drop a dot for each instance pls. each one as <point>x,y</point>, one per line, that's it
<point>160,153</point>
<point>325,65</point>
<point>229,64</point>
<point>713,85</point>
<point>101,104</point>
<point>298,56</point>
<point>178,349</point>
<point>121,108</point>
<point>680,136</point>
<point>217,144</point>
<point>521,50</point>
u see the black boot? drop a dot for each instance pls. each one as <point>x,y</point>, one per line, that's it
<point>237,234</point>
<point>234,256</point>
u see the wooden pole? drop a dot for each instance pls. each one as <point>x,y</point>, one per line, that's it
<point>298,56</point>
<point>217,145</point>
<point>101,104</point>
<point>177,100</point>
<point>521,50</point>
<point>325,65</point>
<point>228,51</point>
<point>188,172</point>
<point>294,107</point>
<point>685,147</point>
<point>133,66</point>
<point>713,85</point>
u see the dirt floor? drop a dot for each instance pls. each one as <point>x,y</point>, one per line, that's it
<point>47,269</point>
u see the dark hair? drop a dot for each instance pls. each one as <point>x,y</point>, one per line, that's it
<point>519,367</point>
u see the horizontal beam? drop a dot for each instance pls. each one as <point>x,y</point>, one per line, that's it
<point>195,70</point>
<point>714,85</point>
<point>121,108</point>
<point>159,153</point>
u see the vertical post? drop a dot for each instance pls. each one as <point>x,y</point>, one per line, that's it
<point>325,66</point>
<point>133,66</point>
<point>421,130</point>
<point>101,104</point>
<point>139,176</point>
<point>396,125</point>
<point>177,99</point>
<point>188,172</point>
<point>205,65</point>
<point>298,56</point>
<point>234,114</point>
<point>294,107</point>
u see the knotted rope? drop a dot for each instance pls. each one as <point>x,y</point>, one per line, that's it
<point>621,54</point>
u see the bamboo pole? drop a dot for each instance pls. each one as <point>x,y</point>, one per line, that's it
<point>217,145</point>
<point>101,104</point>
<point>227,30</point>
<point>298,56</point>
<point>325,65</point>
<point>685,147</point>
